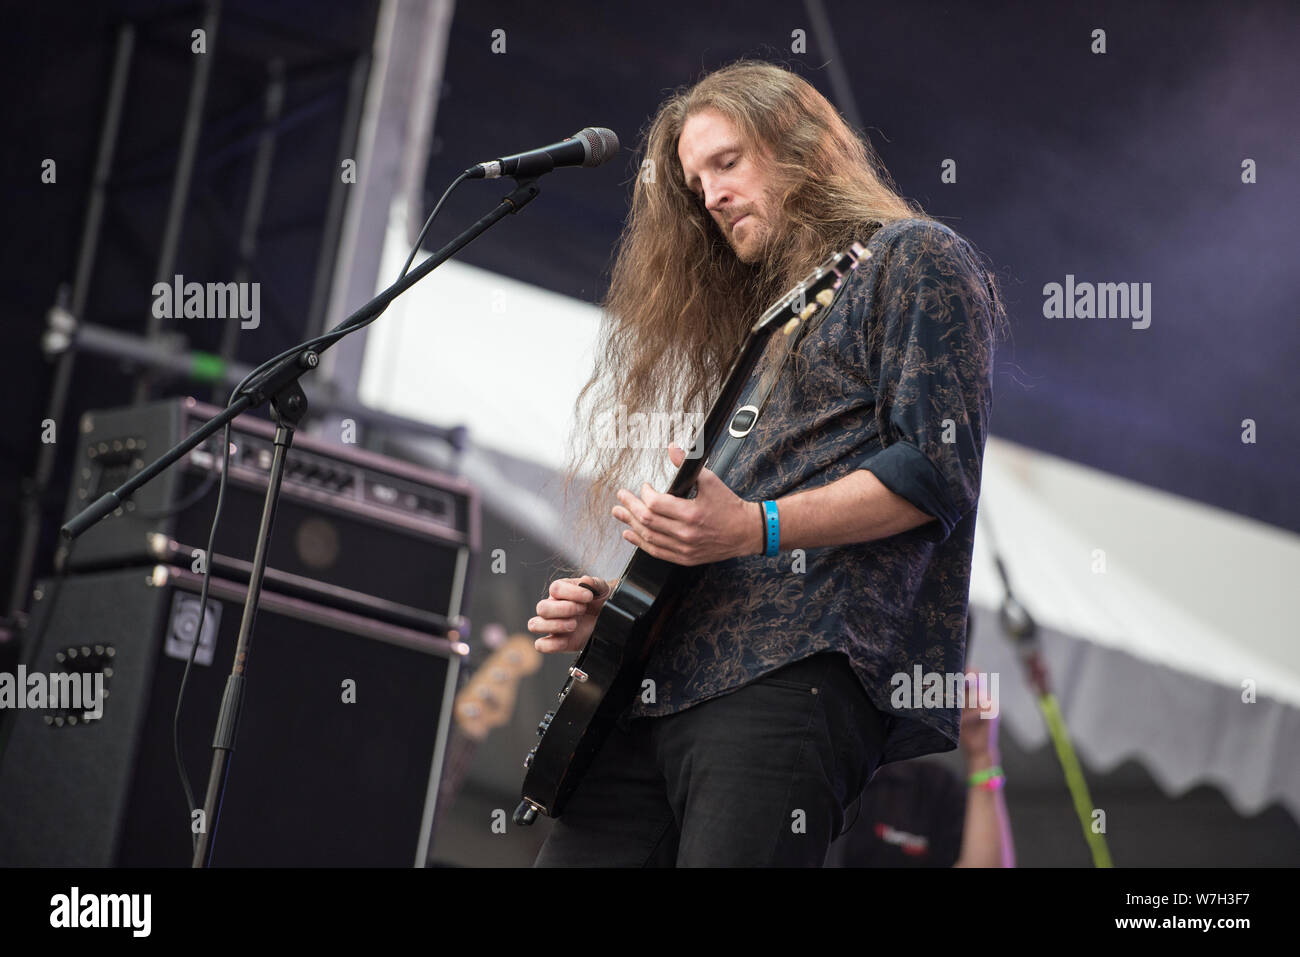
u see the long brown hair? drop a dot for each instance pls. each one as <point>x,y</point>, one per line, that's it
<point>680,300</point>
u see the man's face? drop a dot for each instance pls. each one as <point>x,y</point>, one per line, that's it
<point>729,179</point>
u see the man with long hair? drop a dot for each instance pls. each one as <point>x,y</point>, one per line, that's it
<point>771,696</point>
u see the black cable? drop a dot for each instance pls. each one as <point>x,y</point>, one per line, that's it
<point>196,496</point>
<point>198,633</point>
<point>344,328</point>
<point>333,335</point>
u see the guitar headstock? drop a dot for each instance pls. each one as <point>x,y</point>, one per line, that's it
<point>488,699</point>
<point>817,290</point>
<point>788,315</point>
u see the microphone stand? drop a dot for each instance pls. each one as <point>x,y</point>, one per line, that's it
<point>1021,628</point>
<point>288,407</point>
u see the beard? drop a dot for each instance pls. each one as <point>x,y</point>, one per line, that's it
<point>760,236</point>
<point>750,249</point>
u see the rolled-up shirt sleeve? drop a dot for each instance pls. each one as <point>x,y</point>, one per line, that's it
<point>928,334</point>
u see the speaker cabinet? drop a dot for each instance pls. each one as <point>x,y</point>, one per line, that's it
<point>339,748</point>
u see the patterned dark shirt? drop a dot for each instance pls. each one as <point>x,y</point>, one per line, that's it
<point>897,379</point>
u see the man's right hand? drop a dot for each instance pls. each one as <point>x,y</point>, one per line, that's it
<point>567,616</point>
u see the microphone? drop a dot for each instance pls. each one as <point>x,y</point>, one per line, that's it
<point>589,147</point>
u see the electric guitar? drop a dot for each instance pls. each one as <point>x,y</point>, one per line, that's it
<point>606,675</point>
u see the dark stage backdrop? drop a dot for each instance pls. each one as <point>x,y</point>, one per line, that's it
<point>1117,167</point>
<point>56,60</point>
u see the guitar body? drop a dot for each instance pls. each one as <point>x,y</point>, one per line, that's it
<point>604,679</point>
<point>606,675</point>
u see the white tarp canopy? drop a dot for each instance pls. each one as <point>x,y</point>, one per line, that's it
<point>1154,653</point>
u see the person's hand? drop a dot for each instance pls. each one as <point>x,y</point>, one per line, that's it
<point>715,525</point>
<point>568,615</point>
<point>979,735</point>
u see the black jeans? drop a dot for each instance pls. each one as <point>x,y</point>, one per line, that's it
<point>759,777</point>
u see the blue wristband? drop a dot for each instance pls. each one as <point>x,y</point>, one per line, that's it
<point>772,526</point>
